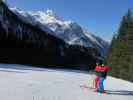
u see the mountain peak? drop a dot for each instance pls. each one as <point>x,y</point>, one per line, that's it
<point>50,12</point>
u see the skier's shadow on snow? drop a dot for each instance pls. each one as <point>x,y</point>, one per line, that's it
<point>120,92</point>
<point>11,71</point>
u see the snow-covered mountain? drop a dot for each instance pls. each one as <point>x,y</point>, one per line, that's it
<point>18,82</point>
<point>69,31</point>
<point>25,43</point>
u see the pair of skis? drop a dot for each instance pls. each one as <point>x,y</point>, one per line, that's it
<point>92,88</point>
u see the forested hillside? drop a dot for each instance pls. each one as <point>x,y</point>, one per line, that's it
<point>120,54</point>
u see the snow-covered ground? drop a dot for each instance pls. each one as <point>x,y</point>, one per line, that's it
<point>18,82</point>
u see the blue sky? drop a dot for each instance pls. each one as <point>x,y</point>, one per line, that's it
<point>101,17</point>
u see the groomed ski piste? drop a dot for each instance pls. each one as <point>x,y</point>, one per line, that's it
<point>19,82</point>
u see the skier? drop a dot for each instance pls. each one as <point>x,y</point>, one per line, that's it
<point>103,74</point>
<point>96,80</point>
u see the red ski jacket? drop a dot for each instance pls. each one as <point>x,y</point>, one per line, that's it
<point>101,71</point>
<point>101,68</point>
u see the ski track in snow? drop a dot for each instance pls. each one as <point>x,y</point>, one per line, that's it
<point>18,82</point>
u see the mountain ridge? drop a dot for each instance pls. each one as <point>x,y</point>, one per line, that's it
<point>69,31</point>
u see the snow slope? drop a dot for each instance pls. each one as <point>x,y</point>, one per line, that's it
<point>18,82</point>
<point>69,31</point>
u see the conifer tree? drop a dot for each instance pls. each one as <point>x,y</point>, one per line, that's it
<point>120,54</point>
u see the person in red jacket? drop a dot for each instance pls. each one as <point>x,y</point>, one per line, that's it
<point>101,73</point>
<point>103,70</point>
